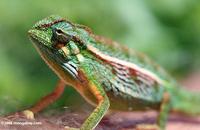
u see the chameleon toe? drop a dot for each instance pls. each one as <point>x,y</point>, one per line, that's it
<point>70,128</point>
<point>28,114</point>
<point>147,127</point>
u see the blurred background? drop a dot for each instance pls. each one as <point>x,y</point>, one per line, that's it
<point>167,31</point>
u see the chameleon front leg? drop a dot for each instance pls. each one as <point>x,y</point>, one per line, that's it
<point>162,117</point>
<point>102,106</point>
<point>164,111</point>
<point>45,101</point>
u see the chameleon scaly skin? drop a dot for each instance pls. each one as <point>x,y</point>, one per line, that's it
<point>106,74</point>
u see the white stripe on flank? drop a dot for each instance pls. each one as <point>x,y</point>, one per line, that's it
<point>124,63</point>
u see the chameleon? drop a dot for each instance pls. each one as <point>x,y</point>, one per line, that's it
<point>107,74</point>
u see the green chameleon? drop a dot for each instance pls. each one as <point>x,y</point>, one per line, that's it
<point>106,74</point>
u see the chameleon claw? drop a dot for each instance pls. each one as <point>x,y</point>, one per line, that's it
<point>28,114</point>
<point>147,127</point>
<point>70,128</point>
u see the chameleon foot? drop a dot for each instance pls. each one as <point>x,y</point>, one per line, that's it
<point>28,114</point>
<point>147,127</point>
<point>70,128</point>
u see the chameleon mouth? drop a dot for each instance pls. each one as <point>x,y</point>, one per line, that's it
<point>42,48</point>
<point>40,36</point>
<point>36,40</point>
<point>41,44</point>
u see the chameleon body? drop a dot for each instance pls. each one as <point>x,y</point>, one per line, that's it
<point>106,74</point>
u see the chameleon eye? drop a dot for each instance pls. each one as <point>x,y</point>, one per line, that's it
<point>59,38</point>
<point>59,31</point>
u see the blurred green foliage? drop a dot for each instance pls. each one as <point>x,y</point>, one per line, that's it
<point>168,31</point>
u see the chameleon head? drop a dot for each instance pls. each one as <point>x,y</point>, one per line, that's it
<point>59,42</point>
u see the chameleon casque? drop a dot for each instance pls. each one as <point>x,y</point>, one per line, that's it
<point>106,74</point>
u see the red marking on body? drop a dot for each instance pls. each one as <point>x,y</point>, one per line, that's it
<point>82,77</point>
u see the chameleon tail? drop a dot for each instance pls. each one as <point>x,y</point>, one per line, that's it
<point>186,102</point>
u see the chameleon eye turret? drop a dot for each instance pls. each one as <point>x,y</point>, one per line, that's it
<point>59,38</point>
<point>100,70</point>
